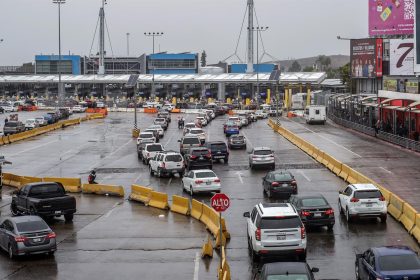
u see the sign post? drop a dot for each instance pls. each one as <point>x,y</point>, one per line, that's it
<point>132,83</point>
<point>220,203</point>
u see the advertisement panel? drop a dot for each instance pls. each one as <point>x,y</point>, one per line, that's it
<point>391,17</point>
<point>401,57</point>
<point>417,37</point>
<point>366,58</point>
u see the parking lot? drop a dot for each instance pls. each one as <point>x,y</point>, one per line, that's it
<point>113,238</point>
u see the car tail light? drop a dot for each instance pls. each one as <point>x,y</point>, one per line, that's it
<point>275,184</point>
<point>193,157</point>
<point>271,155</point>
<point>148,155</point>
<point>258,234</point>
<point>20,238</point>
<point>163,165</point>
<point>382,198</point>
<point>217,180</point>
<point>329,212</point>
<point>305,213</point>
<point>302,232</point>
<point>354,200</point>
<point>208,155</point>
<point>293,183</point>
<point>51,235</point>
<point>198,182</point>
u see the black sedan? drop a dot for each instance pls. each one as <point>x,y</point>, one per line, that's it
<point>26,235</point>
<point>279,182</point>
<point>287,270</point>
<point>314,210</point>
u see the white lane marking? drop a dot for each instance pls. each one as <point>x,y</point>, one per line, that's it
<point>138,177</point>
<point>329,140</point>
<point>247,140</point>
<point>386,170</point>
<point>240,177</point>
<point>117,150</point>
<point>110,211</point>
<point>169,140</point>
<point>169,182</point>
<point>196,265</point>
<point>304,176</point>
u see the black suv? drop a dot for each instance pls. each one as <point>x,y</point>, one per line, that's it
<point>198,158</point>
<point>279,182</point>
<point>218,150</point>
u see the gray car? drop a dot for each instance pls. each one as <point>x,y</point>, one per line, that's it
<point>262,157</point>
<point>12,127</point>
<point>26,235</point>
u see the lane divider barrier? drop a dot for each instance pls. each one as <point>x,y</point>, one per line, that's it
<point>140,193</point>
<point>72,185</point>
<point>397,207</point>
<point>224,270</point>
<point>158,200</point>
<point>103,189</point>
<point>207,250</point>
<point>180,205</point>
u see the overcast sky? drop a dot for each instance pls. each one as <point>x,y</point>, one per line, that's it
<point>297,28</point>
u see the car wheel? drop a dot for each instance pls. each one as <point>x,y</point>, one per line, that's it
<point>302,257</point>
<point>51,253</point>
<point>226,160</point>
<point>340,208</point>
<point>330,227</point>
<point>151,171</point>
<point>68,217</point>
<point>383,219</point>
<point>181,174</point>
<point>32,211</point>
<point>10,251</point>
<point>273,167</point>
<point>356,270</point>
<point>13,209</point>
<point>348,217</point>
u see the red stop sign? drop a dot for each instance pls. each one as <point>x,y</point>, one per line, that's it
<point>220,202</point>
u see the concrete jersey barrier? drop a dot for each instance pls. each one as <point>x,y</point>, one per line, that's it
<point>72,185</point>
<point>158,200</point>
<point>103,189</point>
<point>395,207</point>
<point>408,217</point>
<point>416,230</point>
<point>196,209</point>
<point>140,193</point>
<point>180,205</point>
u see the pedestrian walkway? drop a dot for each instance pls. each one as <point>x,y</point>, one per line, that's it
<point>395,168</point>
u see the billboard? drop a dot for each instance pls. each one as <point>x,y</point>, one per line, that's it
<point>391,17</point>
<point>417,36</point>
<point>401,57</point>
<point>366,58</point>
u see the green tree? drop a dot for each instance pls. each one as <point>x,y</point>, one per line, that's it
<point>308,69</point>
<point>323,61</point>
<point>203,59</point>
<point>295,67</point>
<point>344,73</point>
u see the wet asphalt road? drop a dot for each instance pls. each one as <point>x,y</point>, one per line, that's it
<point>112,238</point>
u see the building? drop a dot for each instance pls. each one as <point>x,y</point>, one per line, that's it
<point>258,68</point>
<point>166,63</point>
<point>48,64</point>
<point>115,65</point>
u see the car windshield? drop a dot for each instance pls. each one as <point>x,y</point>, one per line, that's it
<point>146,135</point>
<point>11,124</point>
<point>288,277</point>
<point>155,127</point>
<point>160,120</point>
<point>189,125</point>
<point>154,148</point>
<point>399,262</point>
<point>207,174</point>
<point>237,138</point>
<point>232,127</point>
<point>282,177</point>
<point>314,202</point>
<point>174,158</point>
<point>196,131</point>
<point>199,152</point>
<point>32,226</point>
<point>280,222</point>
<point>191,141</point>
<point>367,194</point>
<point>218,147</point>
<point>263,152</point>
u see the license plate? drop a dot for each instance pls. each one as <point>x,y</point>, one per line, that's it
<point>368,204</point>
<point>285,185</point>
<point>57,212</point>
<point>36,240</point>
<point>219,152</point>
<point>281,237</point>
<point>201,158</point>
<point>317,215</point>
<point>208,183</point>
<point>218,157</point>
<point>174,171</point>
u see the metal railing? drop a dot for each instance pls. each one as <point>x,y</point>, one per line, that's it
<point>389,137</point>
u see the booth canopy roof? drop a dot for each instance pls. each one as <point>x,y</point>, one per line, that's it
<point>314,78</point>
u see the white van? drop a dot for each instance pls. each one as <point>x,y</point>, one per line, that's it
<point>316,114</point>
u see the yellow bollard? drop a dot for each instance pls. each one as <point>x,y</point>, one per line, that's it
<point>191,99</point>
<point>286,99</point>
<point>248,101</point>
<point>207,250</point>
<point>268,99</point>
<point>229,100</point>
<point>210,100</point>
<point>156,99</point>
<point>173,100</point>
<point>308,97</point>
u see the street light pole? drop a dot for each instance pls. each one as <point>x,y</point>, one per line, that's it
<point>153,35</point>
<point>60,86</point>
<point>258,29</point>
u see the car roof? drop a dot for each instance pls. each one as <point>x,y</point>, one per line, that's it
<point>202,170</point>
<point>146,132</point>
<point>393,250</point>
<point>262,149</point>
<point>22,219</point>
<point>153,144</point>
<point>364,187</point>
<point>199,149</point>
<point>280,171</point>
<point>277,209</point>
<point>215,142</point>
<point>195,128</point>
<point>285,267</point>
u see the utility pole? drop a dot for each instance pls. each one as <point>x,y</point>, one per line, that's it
<point>153,35</point>
<point>101,70</point>
<point>128,44</point>
<point>250,45</point>
<point>258,29</point>
<point>60,85</point>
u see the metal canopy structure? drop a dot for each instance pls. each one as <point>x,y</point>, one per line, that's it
<point>313,78</point>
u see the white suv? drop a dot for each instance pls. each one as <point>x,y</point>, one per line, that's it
<point>362,200</point>
<point>275,229</point>
<point>150,150</point>
<point>167,163</point>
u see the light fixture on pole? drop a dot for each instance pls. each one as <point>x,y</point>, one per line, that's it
<point>258,29</point>
<point>153,35</point>
<point>60,86</point>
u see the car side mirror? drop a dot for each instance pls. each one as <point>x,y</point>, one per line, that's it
<point>340,192</point>
<point>247,215</point>
<point>179,141</point>
<point>315,269</point>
